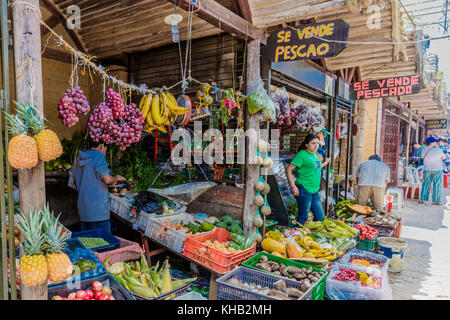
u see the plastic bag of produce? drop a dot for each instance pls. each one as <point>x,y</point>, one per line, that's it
<point>354,282</point>
<point>280,98</point>
<point>372,261</point>
<point>258,99</point>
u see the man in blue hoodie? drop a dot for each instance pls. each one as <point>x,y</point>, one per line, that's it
<point>92,177</point>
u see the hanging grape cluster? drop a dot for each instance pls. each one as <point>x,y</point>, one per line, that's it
<point>72,103</point>
<point>112,121</point>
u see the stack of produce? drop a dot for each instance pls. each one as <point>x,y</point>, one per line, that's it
<point>342,211</point>
<point>280,290</point>
<point>366,279</point>
<point>114,122</point>
<point>238,244</point>
<point>366,231</point>
<point>146,281</point>
<point>98,292</point>
<point>160,110</point>
<point>43,245</point>
<point>83,265</point>
<point>16,236</point>
<point>230,224</point>
<point>71,103</point>
<point>382,219</point>
<point>307,276</point>
<point>92,242</point>
<point>332,228</point>
<point>189,228</point>
<point>25,151</point>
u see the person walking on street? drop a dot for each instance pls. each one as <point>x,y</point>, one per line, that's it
<point>372,178</point>
<point>433,175</point>
<point>306,186</point>
<point>92,177</point>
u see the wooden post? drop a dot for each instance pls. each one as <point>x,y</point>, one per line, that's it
<point>408,138</point>
<point>251,122</point>
<point>27,44</point>
<point>359,143</point>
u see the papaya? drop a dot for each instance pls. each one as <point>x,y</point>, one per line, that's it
<point>273,245</point>
<point>359,209</point>
<point>276,253</point>
<point>292,251</point>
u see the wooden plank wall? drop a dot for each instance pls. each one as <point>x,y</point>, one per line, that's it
<point>212,62</point>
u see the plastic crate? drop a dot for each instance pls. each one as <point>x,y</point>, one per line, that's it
<point>118,292</point>
<point>99,233</point>
<point>143,219</point>
<point>166,296</point>
<point>353,254</point>
<point>227,291</point>
<point>126,251</point>
<point>167,236</point>
<point>216,260</point>
<point>120,206</point>
<point>368,244</point>
<point>319,287</point>
<point>74,257</point>
<point>384,231</point>
<point>191,295</point>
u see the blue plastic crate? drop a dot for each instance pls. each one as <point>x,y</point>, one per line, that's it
<point>118,292</point>
<point>99,233</point>
<point>87,254</point>
<point>227,291</point>
<point>71,245</point>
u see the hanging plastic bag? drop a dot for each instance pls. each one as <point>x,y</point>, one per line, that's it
<point>258,99</point>
<point>346,282</point>
<point>372,261</point>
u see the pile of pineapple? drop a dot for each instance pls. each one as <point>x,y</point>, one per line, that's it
<point>43,249</point>
<point>25,151</point>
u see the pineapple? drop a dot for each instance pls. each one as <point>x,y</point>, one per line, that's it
<point>33,265</point>
<point>22,149</point>
<point>48,144</point>
<point>59,264</point>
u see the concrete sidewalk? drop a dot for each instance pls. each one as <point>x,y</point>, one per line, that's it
<point>426,229</point>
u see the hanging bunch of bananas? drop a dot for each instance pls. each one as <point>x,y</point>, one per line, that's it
<point>159,111</point>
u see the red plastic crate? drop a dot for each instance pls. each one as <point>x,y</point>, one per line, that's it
<point>216,260</point>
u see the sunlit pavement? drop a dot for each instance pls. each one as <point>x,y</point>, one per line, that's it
<point>427,264</point>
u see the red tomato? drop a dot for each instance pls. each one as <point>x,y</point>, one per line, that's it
<point>104,297</point>
<point>97,295</point>
<point>90,294</point>
<point>81,294</point>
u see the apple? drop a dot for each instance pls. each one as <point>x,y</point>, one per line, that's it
<point>81,294</point>
<point>90,294</point>
<point>97,295</point>
<point>104,297</point>
<point>97,286</point>
<point>107,291</point>
<point>72,296</point>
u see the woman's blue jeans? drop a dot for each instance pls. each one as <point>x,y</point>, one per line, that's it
<point>307,202</point>
<point>105,225</point>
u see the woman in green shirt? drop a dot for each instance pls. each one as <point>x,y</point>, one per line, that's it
<point>306,187</point>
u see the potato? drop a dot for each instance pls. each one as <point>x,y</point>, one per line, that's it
<point>295,293</point>
<point>277,273</point>
<point>280,285</point>
<point>263,259</point>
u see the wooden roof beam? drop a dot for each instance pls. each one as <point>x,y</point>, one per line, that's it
<point>244,9</point>
<point>224,19</point>
<point>57,13</point>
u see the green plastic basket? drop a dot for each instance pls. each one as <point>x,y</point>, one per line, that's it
<point>368,244</point>
<point>319,288</point>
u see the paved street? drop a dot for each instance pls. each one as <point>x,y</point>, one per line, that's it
<point>426,229</point>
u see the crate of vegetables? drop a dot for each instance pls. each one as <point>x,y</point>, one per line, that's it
<point>97,239</point>
<point>104,287</point>
<point>384,231</point>
<point>248,284</point>
<point>219,249</point>
<point>172,230</point>
<point>355,282</point>
<point>370,260</point>
<point>307,275</point>
<point>367,237</point>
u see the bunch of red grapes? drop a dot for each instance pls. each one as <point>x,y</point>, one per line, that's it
<point>71,103</point>
<point>114,122</point>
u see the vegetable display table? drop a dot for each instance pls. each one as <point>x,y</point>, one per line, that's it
<point>148,254</point>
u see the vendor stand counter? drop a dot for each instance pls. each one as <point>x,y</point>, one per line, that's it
<point>214,275</point>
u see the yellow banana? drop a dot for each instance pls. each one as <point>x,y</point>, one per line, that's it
<point>156,116</point>
<point>173,106</point>
<point>146,107</point>
<point>161,128</point>
<point>142,102</point>
<point>165,109</point>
